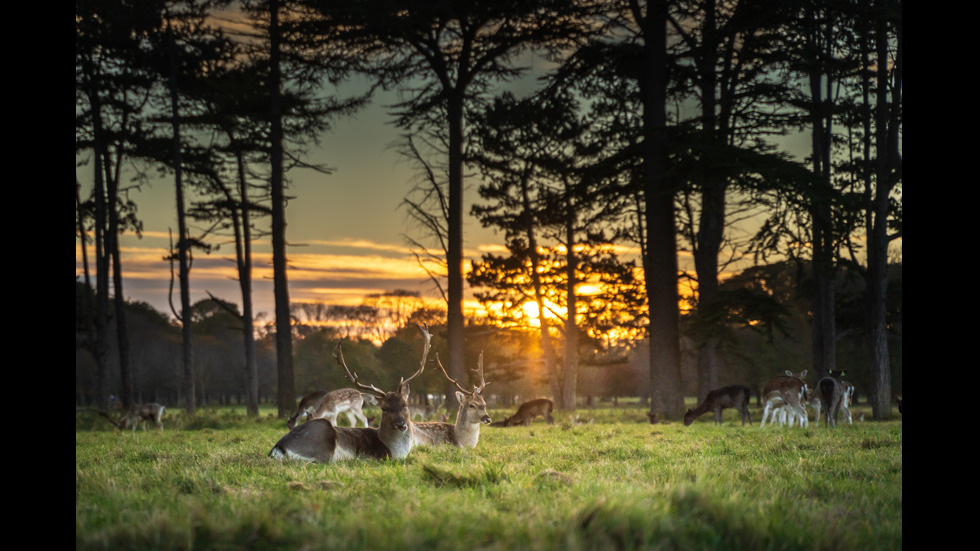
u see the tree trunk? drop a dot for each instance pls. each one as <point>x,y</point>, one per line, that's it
<point>660,260</point>
<point>886,144</point>
<point>570,369</point>
<point>284,340</point>
<point>454,254</point>
<point>183,243</point>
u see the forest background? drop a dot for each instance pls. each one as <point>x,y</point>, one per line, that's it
<point>650,131</point>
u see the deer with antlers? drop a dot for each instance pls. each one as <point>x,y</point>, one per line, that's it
<point>465,433</point>
<point>319,440</point>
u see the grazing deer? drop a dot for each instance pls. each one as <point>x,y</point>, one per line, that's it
<point>328,405</point>
<point>424,412</point>
<point>528,411</point>
<point>784,397</point>
<point>137,415</point>
<point>734,396</point>
<point>307,407</point>
<point>831,393</point>
<point>465,433</point>
<point>845,404</point>
<point>319,440</point>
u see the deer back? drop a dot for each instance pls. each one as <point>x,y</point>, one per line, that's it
<point>337,401</point>
<point>318,440</point>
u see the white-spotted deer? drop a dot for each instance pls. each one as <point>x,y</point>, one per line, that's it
<point>831,393</point>
<point>306,408</point>
<point>137,415</point>
<point>528,411</point>
<point>328,405</point>
<point>465,433</point>
<point>319,440</point>
<point>734,396</point>
<point>785,396</point>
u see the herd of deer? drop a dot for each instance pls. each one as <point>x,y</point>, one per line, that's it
<point>320,439</point>
<point>785,400</point>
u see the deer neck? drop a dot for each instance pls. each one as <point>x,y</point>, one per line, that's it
<point>467,430</point>
<point>398,442</point>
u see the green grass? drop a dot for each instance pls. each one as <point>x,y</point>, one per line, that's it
<point>617,483</point>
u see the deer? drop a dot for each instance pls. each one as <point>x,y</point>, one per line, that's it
<point>785,396</point>
<point>328,405</point>
<point>465,433</point>
<point>528,411</point>
<point>318,440</point>
<point>831,393</point>
<point>137,415</point>
<point>425,411</point>
<point>845,404</point>
<point>733,396</point>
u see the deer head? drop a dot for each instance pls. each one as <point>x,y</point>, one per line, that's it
<point>472,405</point>
<point>396,418</point>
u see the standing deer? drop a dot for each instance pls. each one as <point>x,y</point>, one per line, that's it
<point>831,393</point>
<point>785,395</point>
<point>319,440</point>
<point>734,396</point>
<point>328,405</point>
<point>465,433</point>
<point>528,411</point>
<point>845,403</point>
<point>137,415</point>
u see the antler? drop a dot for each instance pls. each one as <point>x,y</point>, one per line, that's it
<point>483,381</point>
<point>339,355</point>
<point>479,369</point>
<point>424,329</point>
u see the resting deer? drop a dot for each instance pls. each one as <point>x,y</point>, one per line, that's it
<point>319,440</point>
<point>528,411</point>
<point>137,415</point>
<point>785,395</point>
<point>328,405</point>
<point>734,396</point>
<point>831,393</point>
<point>465,433</point>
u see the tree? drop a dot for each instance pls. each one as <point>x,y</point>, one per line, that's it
<point>535,158</point>
<point>724,53</point>
<point>447,55</point>
<point>112,87</point>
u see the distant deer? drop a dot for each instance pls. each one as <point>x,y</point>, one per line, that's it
<point>137,415</point>
<point>845,404</point>
<point>319,440</point>
<point>424,412</point>
<point>784,396</point>
<point>328,405</point>
<point>831,393</point>
<point>734,396</point>
<point>528,411</point>
<point>465,433</point>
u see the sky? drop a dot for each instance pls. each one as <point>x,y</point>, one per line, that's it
<point>346,230</point>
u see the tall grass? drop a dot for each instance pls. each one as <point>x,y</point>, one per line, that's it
<point>615,483</point>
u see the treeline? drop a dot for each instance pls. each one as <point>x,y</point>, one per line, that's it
<point>511,356</point>
<point>659,126</point>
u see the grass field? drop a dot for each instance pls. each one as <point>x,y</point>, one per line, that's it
<point>615,483</point>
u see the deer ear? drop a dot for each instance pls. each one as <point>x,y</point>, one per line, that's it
<point>460,396</point>
<point>405,390</point>
<point>803,374</point>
